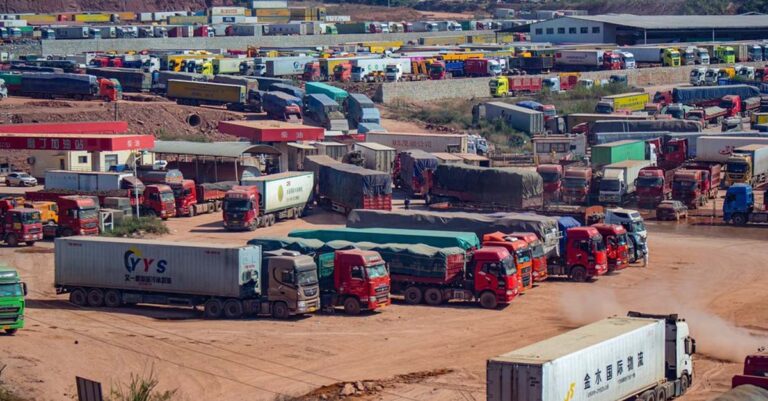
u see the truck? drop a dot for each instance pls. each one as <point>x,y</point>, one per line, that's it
<point>512,86</point>
<point>285,66</point>
<point>656,56</point>
<point>633,222</point>
<point>521,254</point>
<point>374,69</point>
<point>481,67</point>
<point>751,384</point>
<point>354,106</point>
<point>653,185</point>
<point>344,187</point>
<point>354,279</point>
<point>615,152</point>
<point>532,65</point>
<point>687,188</point>
<point>455,143</point>
<point>97,271</point>
<point>87,181</point>
<point>718,148</point>
<point>551,176</point>
<point>516,117</point>
<point>697,77</point>
<point>262,201</point>
<point>705,95</point>
<point>19,224</point>
<point>396,72</point>
<point>472,187</point>
<point>616,245</point>
<point>78,215</point>
<point>409,171</point>
<point>641,356</point>
<point>194,93</point>
<point>618,183</point>
<point>282,106</point>
<point>634,101</point>
<point>710,176</point>
<point>467,241</point>
<point>584,60</point>
<point>326,112</point>
<point>535,247</point>
<point>581,256</point>
<point>131,79</point>
<point>376,156</point>
<point>76,86</point>
<point>12,303</point>
<point>739,206</point>
<point>576,185</point>
<point>747,164</point>
<point>614,125</point>
<point>336,94</point>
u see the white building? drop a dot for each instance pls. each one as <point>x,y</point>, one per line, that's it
<point>42,160</point>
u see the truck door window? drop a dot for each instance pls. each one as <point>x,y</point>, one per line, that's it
<point>491,268</point>
<point>286,277</point>
<point>357,272</point>
<point>584,246</point>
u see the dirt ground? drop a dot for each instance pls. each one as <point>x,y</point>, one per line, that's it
<point>714,276</point>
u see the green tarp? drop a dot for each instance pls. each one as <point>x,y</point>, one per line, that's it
<point>419,260</point>
<point>510,187</point>
<point>439,239</point>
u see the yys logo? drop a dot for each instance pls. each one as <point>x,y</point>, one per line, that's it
<point>134,259</point>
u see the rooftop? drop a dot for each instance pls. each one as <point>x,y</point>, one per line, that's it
<point>213,149</point>
<point>680,21</point>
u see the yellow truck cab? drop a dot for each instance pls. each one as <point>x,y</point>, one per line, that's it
<point>499,86</point>
<point>671,57</point>
<point>49,212</point>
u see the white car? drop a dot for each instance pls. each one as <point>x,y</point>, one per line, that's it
<point>18,179</point>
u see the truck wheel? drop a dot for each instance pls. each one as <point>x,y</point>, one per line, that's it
<point>78,297</point>
<point>11,332</point>
<point>280,310</point>
<point>578,274</point>
<point>95,297</point>
<point>684,383</point>
<point>12,240</point>
<point>413,295</point>
<point>739,219</point>
<point>212,309</point>
<point>661,395</point>
<point>296,213</point>
<point>233,309</point>
<point>191,211</point>
<point>649,395</point>
<point>488,300</point>
<point>352,306</point>
<point>433,296</point>
<point>113,299</point>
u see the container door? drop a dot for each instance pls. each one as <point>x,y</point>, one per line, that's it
<point>88,182</point>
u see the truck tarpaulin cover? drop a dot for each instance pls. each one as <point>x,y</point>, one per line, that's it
<point>300,245</point>
<point>745,392</point>
<point>644,126</point>
<point>511,187</point>
<point>563,224</point>
<point>413,164</point>
<point>544,227</point>
<point>440,239</point>
<point>345,183</point>
<point>702,93</point>
<point>417,260</point>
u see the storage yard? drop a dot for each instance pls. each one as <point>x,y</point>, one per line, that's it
<point>333,207</point>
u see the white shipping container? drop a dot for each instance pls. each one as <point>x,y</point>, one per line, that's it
<point>84,181</point>
<point>285,66</point>
<point>592,58</point>
<point>608,360</point>
<point>377,156</point>
<point>285,29</point>
<point>645,54</point>
<point>227,11</point>
<point>229,19</point>
<point>156,266</point>
<point>338,18</point>
<point>426,142</point>
<point>719,148</point>
<point>283,191</point>
<point>145,17</point>
<point>519,118</point>
<point>256,4</point>
<point>380,64</point>
<point>13,23</point>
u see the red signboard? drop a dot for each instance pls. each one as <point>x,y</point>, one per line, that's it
<point>87,127</point>
<point>271,131</point>
<point>64,142</point>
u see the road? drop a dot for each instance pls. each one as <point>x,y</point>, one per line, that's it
<point>712,275</point>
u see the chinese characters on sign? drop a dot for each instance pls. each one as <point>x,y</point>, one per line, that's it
<point>597,381</point>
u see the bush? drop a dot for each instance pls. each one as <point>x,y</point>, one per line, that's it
<point>140,389</point>
<point>143,225</point>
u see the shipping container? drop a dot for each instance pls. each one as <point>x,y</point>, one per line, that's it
<point>377,157</point>
<point>697,94</point>
<point>86,181</point>
<point>131,79</point>
<point>282,191</point>
<point>719,148</point>
<point>286,66</point>
<point>337,94</point>
<point>516,117</point>
<point>272,12</point>
<point>615,152</point>
<point>426,142</point>
<point>226,11</point>
<point>285,29</point>
<point>334,150</point>
<point>260,4</point>
<point>192,92</point>
<point>187,20</point>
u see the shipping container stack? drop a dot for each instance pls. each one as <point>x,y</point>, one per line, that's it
<point>271,11</point>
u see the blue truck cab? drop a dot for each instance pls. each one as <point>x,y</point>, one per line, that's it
<point>739,206</point>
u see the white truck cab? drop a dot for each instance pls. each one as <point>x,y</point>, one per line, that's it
<point>697,76</point>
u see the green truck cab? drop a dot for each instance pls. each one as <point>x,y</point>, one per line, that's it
<point>12,292</point>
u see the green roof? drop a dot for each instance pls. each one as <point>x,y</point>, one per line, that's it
<point>438,239</point>
<point>333,92</point>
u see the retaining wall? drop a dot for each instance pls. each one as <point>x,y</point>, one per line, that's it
<point>468,88</point>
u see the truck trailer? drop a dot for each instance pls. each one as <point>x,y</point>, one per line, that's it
<point>344,187</point>
<point>262,201</point>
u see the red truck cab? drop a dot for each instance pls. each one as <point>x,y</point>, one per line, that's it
<point>552,175</point>
<point>78,215</point>
<point>311,72</point>
<point>710,176</point>
<point>576,184</point>
<point>732,103</point>
<point>611,61</point>
<point>436,70</point>
<point>675,153</point>
<point>687,188</point>
<point>159,201</point>
<point>755,371</point>
<point>361,281</point>
<point>109,90</point>
<point>241,208</point>
<point>493,271</point>
<point>653,185</point>
<point>538,257</point>
<point>185,195</point>
<point>342,72</point>
<point>583,256</point>
<point>616,245</point>
<point>19,224</point>
<point>521,253</point>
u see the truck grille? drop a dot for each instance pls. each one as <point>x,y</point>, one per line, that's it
<point>90,225</point>
<point>5,320</point>
<point>35,230</point>
<point>384,289</point>
<point>526,277</point>
<point>11,309</point>
<point>310,292</point>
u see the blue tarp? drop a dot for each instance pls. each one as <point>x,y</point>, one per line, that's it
<point>693,94</point>
<point>563,224</point>
<point>413,164</point>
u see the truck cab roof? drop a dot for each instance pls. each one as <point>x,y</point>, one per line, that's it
<point>8,275</point>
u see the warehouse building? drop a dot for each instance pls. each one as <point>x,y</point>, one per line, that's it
<point>627,29</point>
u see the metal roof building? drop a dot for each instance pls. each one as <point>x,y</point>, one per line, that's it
<point>628,29</point>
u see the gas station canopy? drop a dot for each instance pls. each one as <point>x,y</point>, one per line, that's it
<point>83,142</point>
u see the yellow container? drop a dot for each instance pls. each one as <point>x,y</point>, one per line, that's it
<point>273,12</point>
<point>39,18</point>
<point>127,16</point>
<point>93,17</point>
<point>300,12</point>
<point>188,20</point>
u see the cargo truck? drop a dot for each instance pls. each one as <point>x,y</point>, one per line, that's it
<point>12,303</point>
<point>326,112</point>
<point>282,106</point>
<point>634,101</point>
<point>687,188</point>
<point>344,187</point>
<point>581,257</point>
<point>355,105</point>
<point>576,185</point>
<point>616,245</point>
<point>194,199</point>
<point>376,156</point>
<point>455,143</point>
<point>718,148</point>
<point>467,241</point>
<point>285,66</point>
<point>409,171</point>
<point>705,95</point>
<point>131,79</point>
<point>618,183</point>
<point>521,254</point>
<point>537,254</point>
<point>481,67</point>
<point>747,164</point>
<point>228,281</point>
<point>373,69</point>
<point>75,86</point>
<point>615,152</point>
<point>336,94</point>
<point>639,357</point>
<point>710,176</point>
<point>739,207</point>
<point>653,185</point>
<point>614,125</point>
<point>262,201</point>
<point>656,56</point>
<point>192,93</point>
<point>354,279</point>
<point>512,86</point>
<point>516,117</point>
<point>752,383</point>
<point>585,60</point>
<point>552,176</point>
<point>633,222</point>
<point>19,224</point>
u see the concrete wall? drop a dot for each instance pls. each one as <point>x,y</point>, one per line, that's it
<point>228,42</point>
<point>468,88</point>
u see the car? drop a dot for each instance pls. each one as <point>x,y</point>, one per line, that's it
<point>20,179</point>
<point>671,210</point>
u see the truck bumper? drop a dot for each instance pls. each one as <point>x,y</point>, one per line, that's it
<point>33,237</point>
<point>600,269</point>
<point>307,306</point>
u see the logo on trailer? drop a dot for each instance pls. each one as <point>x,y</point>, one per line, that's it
<point>280,193</point>
<point>134,259</point>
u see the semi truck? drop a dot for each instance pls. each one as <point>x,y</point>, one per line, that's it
<point>454,143</point>
<point>516,117</point>
<point>228,281</point>
<point>521,254</point>
<point>193,199</point>
<point>584,60</point>
<point>615,152</point>
<point>653,185</point>
<point>634,101</point>
<point>512,86</point>
<point>747,164</point>
<point>19,224</point>
<point>577,182</point>
<point>718,148</point>
<point>282,106</point>
<point>641,356</point>
<point>581,256</point>
<point>356,280</point>
<point>284,66</point>
<point>616,245</point>
<point>355,107</point>
<point>193,93</point>
<point>344,187</point>
<point>338,95</point>
<point>552,177</point>
<point>701,95</point>
<point>687,188</point>
<point>75,86</point>
<point>262,201</point>
<point>535,247</point>
<point>326,112</point>
<point>409,171</point>
<point>739,206</point>
<point>130,79</point>
<point>618,183</point>
<point>12,303</point>
<point>659,56</point>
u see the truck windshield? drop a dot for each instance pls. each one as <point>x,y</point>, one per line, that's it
<point>376,271</point>
<point>622,239</point>
<point>597,243</point>
<point>738,168</point>
<point>391,70</point>
<point>549,112</point>
<point>550,177</point>
<point>166,196</point>
<point>508,266</point>
<point>30,218</point>
<point>604,108</point>
<point>537,249</point>
<point>306,277</point>
<point>181,192</point>
<point>575,183</point>
<point>237,205</point>
<point>357,69</point>
<point>11,290</point>
<point>609,185</point>
<point>523,255</point>
<point>649,182</point>
<point>89,213</point>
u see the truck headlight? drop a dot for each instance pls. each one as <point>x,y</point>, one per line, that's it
<point>371,300</point>
<point>301,304</point>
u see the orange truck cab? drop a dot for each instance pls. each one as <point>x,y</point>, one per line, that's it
<point>109,90</point>
<point>311,72</point>
<point>358,281</point>
<point>687,188</point>
<point>582,256</point>
<point>158,201</point>
<point>538,256</point>
<point>521,253</point>
<point>552,175</point>
<point>576,184</point>
<point>616,245</point>
<point>78,215</point>
<point>241,208</point>
<point>19,224</point>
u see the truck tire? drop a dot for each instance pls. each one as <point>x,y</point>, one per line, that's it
<point>433,296</point>
<point>488,300</point>
<point>578,274</point>
<point>212,309</point>
<point>191,211</point>
<point>30,243</point>
<point>12,240</point>
<point>233,309</point>
<point>684,383</point>
<point>95,298</point>
<point>352,306</point>
<point>413,295</point>
<point>649,395</point>
<point>738,219</point>
<point>280,311</point>
<point>661,394</point>
<point>78,297</point>
<point>113,299</point>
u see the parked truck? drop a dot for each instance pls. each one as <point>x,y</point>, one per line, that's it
<point>577,182</point>
<point>376,156</point>
<point>718,148</point>
<point>616,245</point>
<point>653,186</point>
<point>193,93</point>
<point>354,106</point>
<point>618,183</point>
<point>130,79</point>
<point>656,56</point>
<point>336,94</point>
<point>282,106</point>
<point>701,95</point>
<point>326,112</point>
<point>455,143</point>
<point>551,176</point>
<point>19,224</point>
<point>747,164</point>
<point>615,152</point>
<point>76,86</point>
<point>410,171</point>
<point>512,86</point>
<point>264,200</point>
<point>285,66</point>
<point>193,199</point>
<point>634,101</point>
<point>12,303</point>
<point>687,188</point>
<point>227,281</point>
<point>516,117</point>
<point>344,187</point>
<point>581,257</point>
<point>641,356</point>
<point>710,176</point>
<point>739,207</point>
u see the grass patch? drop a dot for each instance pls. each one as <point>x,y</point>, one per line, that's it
<point>140,388</point>
<point>7,395</point>
<point>131,226</point>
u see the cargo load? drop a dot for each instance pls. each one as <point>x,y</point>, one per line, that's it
<point>520,118</point>
<point>414,167</point>
<point>348,187</point>
<point>131,79</point>
<point>696,94</point>
<point>641,126</point>
<point>512,188</point>
<point>455,143</point>
<point>614,152</point>
<point>419,260</point>
<point>283,190</point>
<point>544,227</point>
<point>440,239</point>
<point>376,156</point>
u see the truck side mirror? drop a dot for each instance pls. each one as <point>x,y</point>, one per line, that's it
<point>24,288</point>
